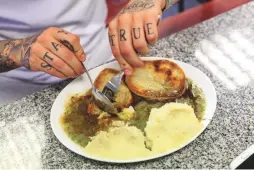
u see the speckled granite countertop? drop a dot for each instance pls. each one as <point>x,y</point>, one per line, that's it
<point>27,141</point>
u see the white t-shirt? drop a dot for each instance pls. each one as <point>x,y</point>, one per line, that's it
<point>24,18</point>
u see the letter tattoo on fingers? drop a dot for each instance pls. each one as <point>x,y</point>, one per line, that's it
<point>149,28</point>
<point>55,45</point>
<point>111,40</point>
<point>46,56</point>
<point>122,35</point>
<point>135,30</point>
<point>46,66</point>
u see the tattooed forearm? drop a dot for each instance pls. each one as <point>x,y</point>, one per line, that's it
<point>9,49</point>
<point>138,5</point>
<point>15,53</point>
<point>25,59</point>
<point>26,51</point>
<point>6,64</point>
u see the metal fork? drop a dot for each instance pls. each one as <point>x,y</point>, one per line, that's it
<point>101,100</point>
<point>112,86</point>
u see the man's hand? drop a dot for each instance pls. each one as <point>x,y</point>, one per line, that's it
<point>54,51</point>
<point>133,30</point>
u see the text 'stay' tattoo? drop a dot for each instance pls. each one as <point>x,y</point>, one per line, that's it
<point>46,57</point>
<point>138,5</point>
<point>46,66</point>
<point>55,45</point>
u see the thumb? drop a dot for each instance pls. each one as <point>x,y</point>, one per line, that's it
<point>114,7</point>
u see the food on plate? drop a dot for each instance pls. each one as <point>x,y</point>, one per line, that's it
<point>118,143</point>
<point>123,98</point>
<point>171,126</point>
<point>195,97</point>
<point>168,127</point>
<point>159,108</point>
<point>158,80</point>
<point>142,112</point>
<point>127,113</point>
<point>78,124</point>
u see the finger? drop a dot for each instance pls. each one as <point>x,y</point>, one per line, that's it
<point>138,36</point>
<point>151,30</point>
<point>54,61</point>
<point>125,41</point>
<point>40,65</point>
<point>72,42</point>
<point>113,39</point>
<point>65,54</point>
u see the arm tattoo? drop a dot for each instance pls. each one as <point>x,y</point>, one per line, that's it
<point>138,5</point>
<point>68,45</point>
<point>26,51</point>
<point>15,53</point>
<point>25,59</point>
<point>9,49</point>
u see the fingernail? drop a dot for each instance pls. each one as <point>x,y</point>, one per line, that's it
<point>127,72</point>
<point>82,71</point>
<point>83,57</point>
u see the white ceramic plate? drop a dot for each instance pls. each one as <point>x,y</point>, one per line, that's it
<point>81,85</point>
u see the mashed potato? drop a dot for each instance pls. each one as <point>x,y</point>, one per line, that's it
<point>168,127</point>
<point>171,126</point>
<point>127,113</point>
<point>119,143</point>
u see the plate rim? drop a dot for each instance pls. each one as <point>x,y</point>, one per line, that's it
<point>136,159</point>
